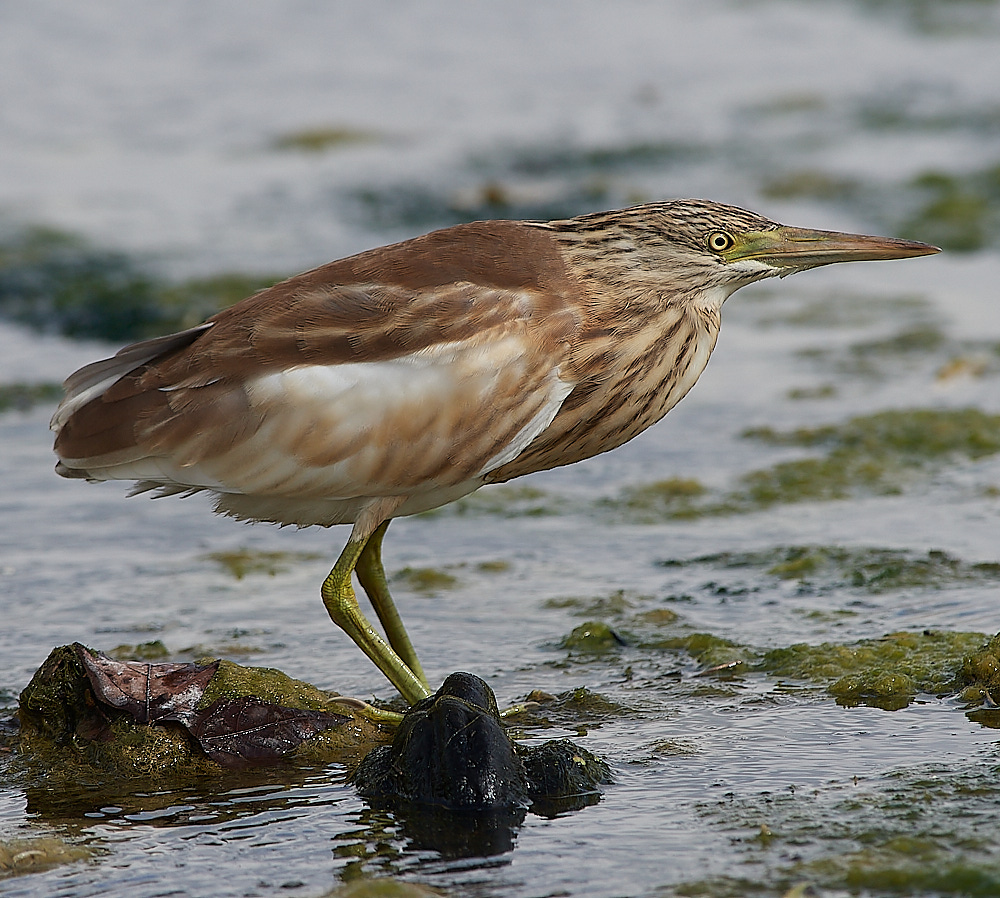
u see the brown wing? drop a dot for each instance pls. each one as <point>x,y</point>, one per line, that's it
<point>424,361</point>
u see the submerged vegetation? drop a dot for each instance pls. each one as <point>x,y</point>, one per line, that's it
<point>58,283</point>
<point>877,454</point>
<point>30,855</point>
<point>869,570</point>
<point>545,181</point>
<point>24,396</point>
<point>921,831</point>
<point>506,500</point>
<point>868,455</point>
<point>959,212</point>
<point>887,672</point>
<point>240,563</point>
<point>322,139</point>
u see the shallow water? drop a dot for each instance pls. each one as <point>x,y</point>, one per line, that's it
<point>175,135</point>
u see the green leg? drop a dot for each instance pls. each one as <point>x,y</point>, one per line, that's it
<point>342,606</point>
<point>371,575</point>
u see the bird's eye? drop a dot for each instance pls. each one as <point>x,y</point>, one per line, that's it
<point>719,241</point>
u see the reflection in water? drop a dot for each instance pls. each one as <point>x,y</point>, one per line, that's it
<point>233,806</point>
<point>387,834</point>
<point>210,801</point>
<point>428,841</point>
<point>397,839</point>
<point>460,834</point>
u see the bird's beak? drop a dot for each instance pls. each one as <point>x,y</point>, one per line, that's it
<point>796,249</point>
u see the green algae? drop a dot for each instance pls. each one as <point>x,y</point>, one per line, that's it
<point>383,887</point>
<point>506,500</point>
<point>240,563</point>
<point>821,391</point>
<point>55,282</point>
<point>921,345</point>
<point>21,856</point>
<point>871,454</point>
<point>497,194</point>
<point>922,831</point>
<point>154,650</point>
<point>58,283</point>
<point>322,139</point>
<point>793,103</point>
<point>864,569</point>
<point>425,580</point>
<point>560,159</point>
<point>577,708</point>
<point>657,616</point>
<point>264,683</point>
<point>966,363</point>
<point>538,182</point>
<point>812,184</point>
<point>614,605</point>
<point>433,580</point>
<point>644,626</point>
<point>593,637</point>
<point>978,676</point>
<point>878,454</point>
<point>64,735</point>
<point>23,397</point>
<point>841,309</point>
<point>807,480</point>
<point>907,114</point>
<point>673,748</point>
<point>496,566</point>
<point>67,734</point>
<point>674,497</point>
<point>708,650</point>
<point>916,340</point>
<point>887,672</point>
<point>916,434</point>
<point>983,666</point>
<point>346,743</point>
<point>189,302</point>
<point>958,212</point>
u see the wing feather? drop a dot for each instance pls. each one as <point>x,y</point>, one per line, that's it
<point>335,390</point>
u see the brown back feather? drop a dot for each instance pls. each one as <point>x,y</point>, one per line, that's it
<point>384,303</point>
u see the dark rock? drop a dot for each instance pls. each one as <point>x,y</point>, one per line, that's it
<point>450,751</point>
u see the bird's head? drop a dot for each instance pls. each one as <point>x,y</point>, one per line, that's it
<point>711,249</point>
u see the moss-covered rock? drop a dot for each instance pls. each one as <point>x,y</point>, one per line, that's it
<point>86,713</point>
<point>593,636</point>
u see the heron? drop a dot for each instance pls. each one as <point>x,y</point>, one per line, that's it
<point>405,377</point>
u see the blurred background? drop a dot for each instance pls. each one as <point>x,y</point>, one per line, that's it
<point>224,137</point>
<point>833,478</point>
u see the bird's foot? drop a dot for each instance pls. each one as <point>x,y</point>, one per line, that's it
<point>361,708</point>
<point>522,708</point>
